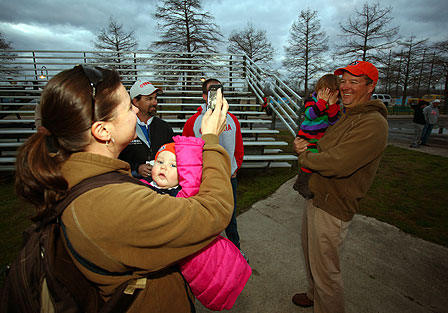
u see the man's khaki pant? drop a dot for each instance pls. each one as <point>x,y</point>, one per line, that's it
<point>322,238</point>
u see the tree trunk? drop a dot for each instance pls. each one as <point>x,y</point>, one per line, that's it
<point>421,74</point>
<point>430,73</point>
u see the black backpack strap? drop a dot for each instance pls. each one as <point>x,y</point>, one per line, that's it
<point>92,183</point>
<point>77,190</point>
<point>86,263</point>
<point>119,301</point>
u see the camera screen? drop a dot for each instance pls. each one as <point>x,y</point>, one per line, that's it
<point>212,94</point>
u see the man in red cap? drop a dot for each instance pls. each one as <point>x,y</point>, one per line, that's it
<point>343,170</point>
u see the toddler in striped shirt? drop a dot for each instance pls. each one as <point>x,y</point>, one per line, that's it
<point>321,111</point>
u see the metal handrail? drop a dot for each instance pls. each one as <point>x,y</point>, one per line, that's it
<point>123,51</point>
<point>287,111</point>
<point>234,69</point>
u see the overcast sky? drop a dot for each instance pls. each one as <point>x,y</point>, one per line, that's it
<point>72,25</point>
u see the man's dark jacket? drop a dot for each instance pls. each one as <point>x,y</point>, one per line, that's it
<point>139,150</point>
<point>419,117</point>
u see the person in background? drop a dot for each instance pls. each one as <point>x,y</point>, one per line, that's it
<point>431,113</point>
<point>124,227</point>
<point>232,140</point>
<point>343,170</point>
<point>152,132</point>
<point>419,122</point>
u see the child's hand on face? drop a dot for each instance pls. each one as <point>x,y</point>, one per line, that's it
<point>334,97</point>
<point>324,94</point>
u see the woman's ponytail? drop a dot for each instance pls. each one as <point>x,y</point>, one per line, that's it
<point>38,176</point>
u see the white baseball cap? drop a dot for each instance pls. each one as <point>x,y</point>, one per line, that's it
<point>143,87</point>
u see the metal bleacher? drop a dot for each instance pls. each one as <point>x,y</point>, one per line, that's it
<point>23,77</point>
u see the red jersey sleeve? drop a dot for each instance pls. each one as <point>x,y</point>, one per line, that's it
<point>239,147</point>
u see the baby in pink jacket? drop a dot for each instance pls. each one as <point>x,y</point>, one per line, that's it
<point>218,273</point>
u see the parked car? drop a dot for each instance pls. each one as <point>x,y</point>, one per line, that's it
<point>431,97</point>
<point>387,99</point>
<point>427,98</point>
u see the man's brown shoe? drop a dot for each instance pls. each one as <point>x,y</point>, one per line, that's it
<point>302,300</point>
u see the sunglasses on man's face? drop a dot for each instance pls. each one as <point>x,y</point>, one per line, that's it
<point>95,76</point>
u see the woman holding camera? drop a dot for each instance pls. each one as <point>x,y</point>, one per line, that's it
<point>87,120</point>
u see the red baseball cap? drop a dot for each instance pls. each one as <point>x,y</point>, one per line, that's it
<point>360,68</point>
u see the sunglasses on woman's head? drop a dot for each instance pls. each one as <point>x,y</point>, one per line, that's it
<point>95,76</point>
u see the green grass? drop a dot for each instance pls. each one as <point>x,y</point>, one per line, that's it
<point>258,184</point>
<point>409,191</point>
<point>14,218</point>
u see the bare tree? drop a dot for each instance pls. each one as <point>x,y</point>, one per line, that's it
<point>307,43</point>
<point>185,27</point>
<point>115,39</point>
<point>7,56</point>
<point>421,71</point>
<point>385,69</point>
<point>442,64</point>
<point>410,56</point>
<point>3,43</point>
<point>253,42</point>
<point>429,77</point>
<point>367,33</point>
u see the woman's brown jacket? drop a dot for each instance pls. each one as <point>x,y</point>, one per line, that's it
<point>122,227</point>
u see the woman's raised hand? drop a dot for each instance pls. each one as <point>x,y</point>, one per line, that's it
<point>214,122</point>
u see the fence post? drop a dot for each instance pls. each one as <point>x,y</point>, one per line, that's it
<point>230,73</point>
<point>299,114</point>
<point>273,120</point>
<point>244,66</point>
<point>135,66</point>
<point>35,72</point>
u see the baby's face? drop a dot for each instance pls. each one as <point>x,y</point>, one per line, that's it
<point>164,171</point>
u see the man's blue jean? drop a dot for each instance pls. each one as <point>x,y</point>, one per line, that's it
<point>232,228</point>
<point>426,132</point>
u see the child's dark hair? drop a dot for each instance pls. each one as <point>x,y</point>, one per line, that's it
<point>328,81</point>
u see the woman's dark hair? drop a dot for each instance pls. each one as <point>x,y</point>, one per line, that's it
<point>67,104</point>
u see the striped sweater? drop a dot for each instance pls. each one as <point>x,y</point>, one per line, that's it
<point>318,116</point>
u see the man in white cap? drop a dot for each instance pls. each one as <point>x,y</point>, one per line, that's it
<point>431,113</point>
<point>152,132</point>
<point>343,170</point>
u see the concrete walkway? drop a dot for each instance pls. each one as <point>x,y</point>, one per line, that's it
<point>438,143</point>
<point>384,269</point>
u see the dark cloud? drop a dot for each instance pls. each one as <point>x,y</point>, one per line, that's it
<point>80,13</point>
<point>63,24</point>
<point>71,23</point>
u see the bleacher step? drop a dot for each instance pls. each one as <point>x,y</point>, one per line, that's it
<point>269,157</point>
<point>266,164</point>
